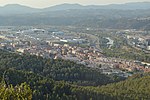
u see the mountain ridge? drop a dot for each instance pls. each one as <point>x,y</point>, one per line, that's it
<point>21,9</point>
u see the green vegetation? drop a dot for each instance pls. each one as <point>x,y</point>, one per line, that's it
<point>95,18</point>
<point>121,49</point>
<point>56,69</point>
<point>42,88</point>
<point>19,92</point>
<point>53,84</point>
<point>122,53</point>
<point>135,88</point>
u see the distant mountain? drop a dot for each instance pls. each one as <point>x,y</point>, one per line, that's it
<point>20,9</point>
<point>119,16</point>
<point>64,6</point>
<point>126,6</point>
<point>16,9</point>
<point>129,6</point>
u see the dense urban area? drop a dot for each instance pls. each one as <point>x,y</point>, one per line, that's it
<point>79,47</point>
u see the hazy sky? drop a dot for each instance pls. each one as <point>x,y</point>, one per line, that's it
<point>47,3</point>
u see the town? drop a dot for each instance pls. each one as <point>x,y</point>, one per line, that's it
<point>78,47</point>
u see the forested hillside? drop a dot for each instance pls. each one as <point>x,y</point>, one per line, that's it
<point>47,79</point>
<point>136,87</point>
<point>18,92</point>
<point>56,69</point>
<point>94,18</point>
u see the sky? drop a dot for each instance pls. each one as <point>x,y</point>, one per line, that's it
<point>48,3</point>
